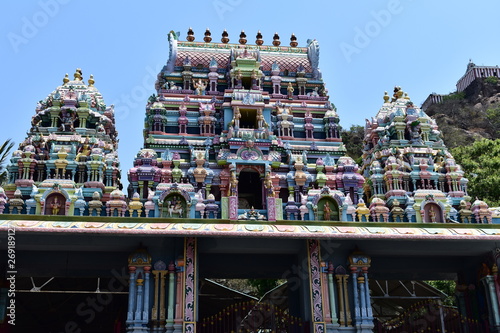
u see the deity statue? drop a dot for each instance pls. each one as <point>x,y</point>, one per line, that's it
<point>56,206</point>
<point>260,119</point>
<point>416,136</point>
<point>35,122</point>
<point>314,93</point>
<point>432,215</point>
<point>233,185</point>
<point>327,211</point>
<point>172,85</point>
<point>254,79</point>
<point>236,117</point>
<point>268,183</point>
<point>84,150</point>
<point>238,79</point>
<point>290,90</point>
<point>200,87</point>
<point>67,122</point>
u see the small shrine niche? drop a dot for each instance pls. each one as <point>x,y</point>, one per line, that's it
<point>174,205</point>
<point>55,204</point>
<point>433,213</point>
<point>328,210</point>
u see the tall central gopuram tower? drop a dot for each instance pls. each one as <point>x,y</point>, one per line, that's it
<point>243,132</point>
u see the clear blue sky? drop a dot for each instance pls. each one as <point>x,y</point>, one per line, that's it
<point>366,47</point>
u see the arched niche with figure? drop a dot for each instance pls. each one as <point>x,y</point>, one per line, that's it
<point>328,210</point>
<point>433,213</point>
<point>174,205</point>
<point>55,204</point>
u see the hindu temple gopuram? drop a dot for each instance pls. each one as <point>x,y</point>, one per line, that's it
<point>242,175</point>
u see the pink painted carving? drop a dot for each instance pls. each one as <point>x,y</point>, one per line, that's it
<point>233,208</point>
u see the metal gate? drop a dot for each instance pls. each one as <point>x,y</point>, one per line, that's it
<point>251,317</point>
<point>431,316</point>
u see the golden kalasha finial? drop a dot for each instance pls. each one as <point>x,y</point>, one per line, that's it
<point>78,75</point>
<point>207,38</point>
<point>259,40</point>
<point>91,80</point>
<point>386,97</point>
<point>225,38</point>
<point>276,39</point>
<point>190,36</point>
<point>406,96</point>
<point>243,37</point>
<point>66,78</point>
<point>400,92</point>
<point>293,41</point>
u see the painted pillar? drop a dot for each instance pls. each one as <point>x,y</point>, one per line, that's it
<point>145,311</point>
<point>190,284</point>
<point>179,297</point>
<point>324,291</point>
<point>139,303</point>
<point>155,309</point>
<point>171,297</point>
<point>233,208</point>
<point>493,311</point>
<point>357,312</point>
<point>138,307</point>
<point>363,317</point>
<point>271,208</point>
<point>131,295</point>
<point>331,294</point>
<point>158,310</point>
<point>317,318</point>
<point>369,310</point>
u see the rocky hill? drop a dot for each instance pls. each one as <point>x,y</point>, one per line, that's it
<point>471,115</point>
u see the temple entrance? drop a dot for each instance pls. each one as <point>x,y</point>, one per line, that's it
<point>253,289</point>
<point>174,205</point>
<point>249,190</point>
<point>262,315</point>
<point>328,210</point>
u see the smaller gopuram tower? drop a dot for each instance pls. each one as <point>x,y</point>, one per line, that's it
<point>243,132</point>
<point>412,177</point>
<point>68,163</point>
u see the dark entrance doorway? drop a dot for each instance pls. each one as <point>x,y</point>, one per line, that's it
<point>249,190</point>
<point>225,307</point>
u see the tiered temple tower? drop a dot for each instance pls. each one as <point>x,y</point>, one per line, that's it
<point>69,157</point>
<point>412,175</point>
<point>244,132</point>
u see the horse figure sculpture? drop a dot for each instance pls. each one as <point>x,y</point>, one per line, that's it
<point>175,208</point>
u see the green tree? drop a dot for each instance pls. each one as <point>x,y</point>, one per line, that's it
<point>446,287</point>
<point>353,141</point>
<point>481,162</point>
<point>493,117</point>
<point>5,149</point>
<point>263,285</point>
